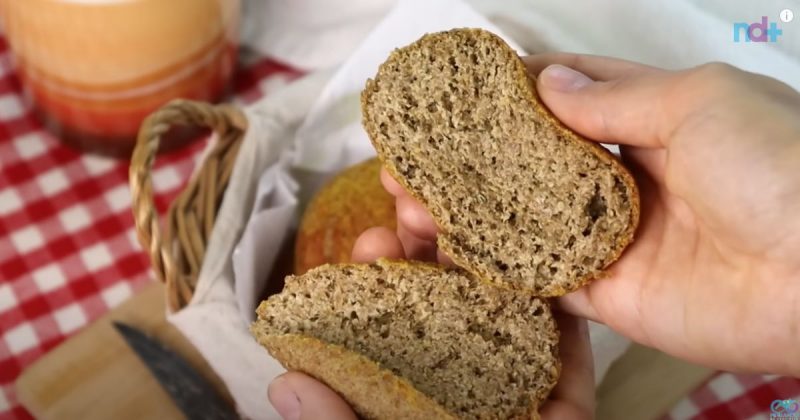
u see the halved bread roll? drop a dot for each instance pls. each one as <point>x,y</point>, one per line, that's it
<point>414,340</point>
<point>520,200</point>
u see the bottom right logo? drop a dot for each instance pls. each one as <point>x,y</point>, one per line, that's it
<point>784,410</point>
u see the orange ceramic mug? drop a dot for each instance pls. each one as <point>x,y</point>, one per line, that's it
<point>94,69</point>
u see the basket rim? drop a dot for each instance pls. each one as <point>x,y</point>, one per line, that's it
<point>176,252</point>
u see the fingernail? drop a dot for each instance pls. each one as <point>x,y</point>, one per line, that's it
<point>563,79</point>
<point>284,399</point>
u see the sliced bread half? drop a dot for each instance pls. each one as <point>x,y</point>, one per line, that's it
<point>414,340</point>
<point>519,199</point>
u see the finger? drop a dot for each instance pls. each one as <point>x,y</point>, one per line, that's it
<point>594,66</point>
<point>558,409</point>
<point>391,185</point>
<point>576,385</point>
<point>415,218</point>
<point>652,161</point>
<point>375,243</point>
<point>296,396</point>
<point>416,248</point>
<point>579,303</point>
<point>628,110</point>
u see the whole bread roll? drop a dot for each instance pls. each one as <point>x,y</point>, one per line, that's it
<point>520,200</point>
<point>350,203</point>
<point>414,340</point>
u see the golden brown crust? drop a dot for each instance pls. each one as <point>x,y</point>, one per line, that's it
<point>523,78</point>
<point>352,202</point>
<point>372,391</point>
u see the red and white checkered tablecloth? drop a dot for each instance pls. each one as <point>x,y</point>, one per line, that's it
<point>68,251</point>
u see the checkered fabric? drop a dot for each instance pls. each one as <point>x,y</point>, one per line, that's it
<point>68,251</point>
<point>729,396</point>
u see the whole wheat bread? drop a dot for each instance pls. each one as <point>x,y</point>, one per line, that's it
<point>414,340</point>
<point>519,199</point>
<point>350,203</point>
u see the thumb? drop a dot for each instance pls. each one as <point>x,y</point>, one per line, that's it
<point>297,396</point>
<point>626,110</point>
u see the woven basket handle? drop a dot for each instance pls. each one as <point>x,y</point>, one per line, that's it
<point>177,253</point>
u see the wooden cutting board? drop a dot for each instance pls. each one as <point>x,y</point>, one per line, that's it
<point>94,375</point>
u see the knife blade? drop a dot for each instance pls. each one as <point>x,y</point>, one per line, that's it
<point>191,392</point>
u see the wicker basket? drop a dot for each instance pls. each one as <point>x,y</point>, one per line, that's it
<point>177,251</point>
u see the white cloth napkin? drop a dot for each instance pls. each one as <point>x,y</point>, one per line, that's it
<point>213,321</point>
<point>670,34</point>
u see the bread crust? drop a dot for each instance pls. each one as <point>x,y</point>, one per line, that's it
<point>353,201</point>
<point>522,77</point>
<point>372,391</point>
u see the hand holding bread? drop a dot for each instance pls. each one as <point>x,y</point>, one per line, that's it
<point>528,210</point>
<point>714,152</point>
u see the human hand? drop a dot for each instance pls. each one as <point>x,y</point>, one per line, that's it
<point>299,397</point>
<point>713,275</point>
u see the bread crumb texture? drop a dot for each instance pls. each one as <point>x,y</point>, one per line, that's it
<point>478,351</point>
<point>520,200</point>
